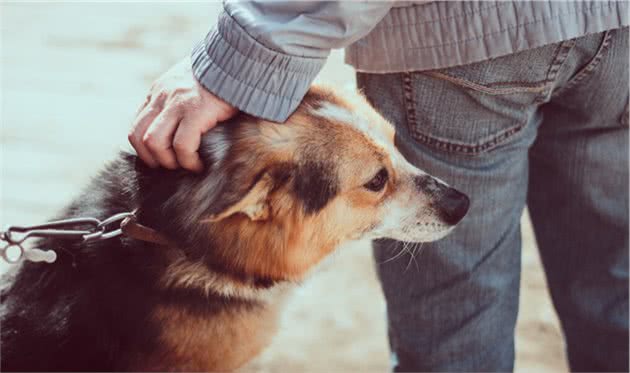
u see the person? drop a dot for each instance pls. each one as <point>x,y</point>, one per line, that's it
<point>512,102</point>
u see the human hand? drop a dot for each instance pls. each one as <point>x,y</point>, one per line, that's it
<point>178,110</point>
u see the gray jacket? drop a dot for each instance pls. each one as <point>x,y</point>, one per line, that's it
<point>262,56</point>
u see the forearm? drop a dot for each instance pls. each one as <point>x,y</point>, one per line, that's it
<point>262,57</point>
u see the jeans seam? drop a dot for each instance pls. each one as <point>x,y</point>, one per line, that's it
<point>590,67</point>
<point>561,56</point>
<point>625,114</point>
<point>410,107</point>
<point>543,87</point>
<point>524,87</point>
<point>449,146</point>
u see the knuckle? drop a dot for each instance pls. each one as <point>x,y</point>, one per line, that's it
<point>175,104</point>
<point>135,137</point>
<point>185,102</point>
<point>181,147</point>
<point>188,162</point>
<point>180,91</point>
<point>131,136</point>
<point>184,162</point>
<point>187,94</point>
<point>160,96</point>
<point>155,108</point>
<point>151,141</point>
<point>194,102</point>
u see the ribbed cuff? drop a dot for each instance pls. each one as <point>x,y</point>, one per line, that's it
<point>255,79</point>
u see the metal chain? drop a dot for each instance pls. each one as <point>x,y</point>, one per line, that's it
<point>82,229</point>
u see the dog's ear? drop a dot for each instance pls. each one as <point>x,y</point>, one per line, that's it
<point>253,202</point>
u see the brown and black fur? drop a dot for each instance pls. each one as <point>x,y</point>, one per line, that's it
<point>266,209</point>
<point>90,309</point>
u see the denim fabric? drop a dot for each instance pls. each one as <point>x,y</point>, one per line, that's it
<point>547,127</point>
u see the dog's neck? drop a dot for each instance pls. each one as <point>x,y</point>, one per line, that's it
<point>183,273</point>
<point>198,266</point>
<point>233,257</point>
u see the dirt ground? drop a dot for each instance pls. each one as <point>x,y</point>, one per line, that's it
<point>72,76</point>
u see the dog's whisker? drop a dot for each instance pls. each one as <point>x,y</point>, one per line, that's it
<point>394,257</point>
<point>412,255</point>
<point>417,252</point>
<point>409,262</point>
<point>411,251</point>
<point>401,252</point>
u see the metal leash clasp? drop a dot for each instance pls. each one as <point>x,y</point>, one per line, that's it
<point>101,232</point>
<point>82,229</point>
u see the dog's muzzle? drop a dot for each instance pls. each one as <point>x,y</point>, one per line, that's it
<point>452,206</point>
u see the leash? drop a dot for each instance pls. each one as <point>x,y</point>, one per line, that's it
<point>81,229</point>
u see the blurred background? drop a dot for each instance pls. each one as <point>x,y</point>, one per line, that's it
<point>72,76</point>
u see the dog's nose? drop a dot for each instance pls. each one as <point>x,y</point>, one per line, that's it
<point>453,206</point>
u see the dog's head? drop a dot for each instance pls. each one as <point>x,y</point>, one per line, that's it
<point>285,195</point>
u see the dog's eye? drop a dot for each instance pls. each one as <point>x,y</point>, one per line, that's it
<point>378,181</point>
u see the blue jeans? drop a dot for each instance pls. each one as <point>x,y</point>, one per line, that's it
<point>547,127</point>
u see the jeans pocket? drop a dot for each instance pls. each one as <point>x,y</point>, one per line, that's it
<point>474,108</point>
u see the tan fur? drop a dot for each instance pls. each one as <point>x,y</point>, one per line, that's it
<point>183,273</point>
<point>267,234</point>
<point>191,342</point>
<point>290,244</point>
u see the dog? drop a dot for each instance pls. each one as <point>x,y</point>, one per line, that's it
<point>272,202</point>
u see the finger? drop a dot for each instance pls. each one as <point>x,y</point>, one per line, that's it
<point>139,127</point>
<point>144,104</point>
<point>186,143</point>
<point>159,138</point>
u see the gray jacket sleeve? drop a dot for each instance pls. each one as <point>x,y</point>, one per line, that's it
<point>262,56</point>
